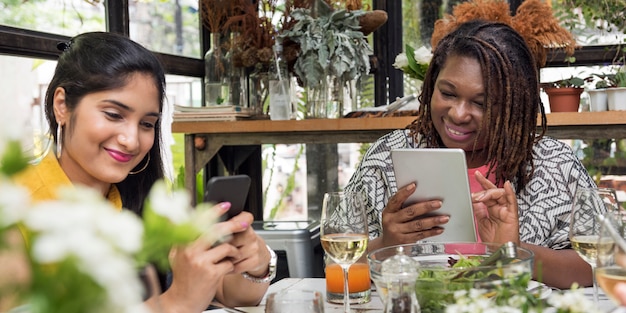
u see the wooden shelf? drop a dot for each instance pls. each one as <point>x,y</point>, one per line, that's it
<point>587,125</point>
<point>567,125</point>
<point>298,126</point>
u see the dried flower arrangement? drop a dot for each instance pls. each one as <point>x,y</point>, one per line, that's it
<point>253,21</point>
<point>257,33</point>
<point>215,13</point>
<point>534,20</point>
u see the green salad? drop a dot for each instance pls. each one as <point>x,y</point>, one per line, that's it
<point>435,287</point>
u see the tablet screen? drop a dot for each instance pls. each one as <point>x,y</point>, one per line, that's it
<point>439,174</point>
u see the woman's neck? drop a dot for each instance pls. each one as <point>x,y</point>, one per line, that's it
<point>476,159</point>
<point>79,177</point>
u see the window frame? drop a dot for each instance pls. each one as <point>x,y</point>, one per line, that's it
<point>387,44</point>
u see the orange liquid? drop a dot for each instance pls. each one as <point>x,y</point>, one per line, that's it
<point>358,278</point>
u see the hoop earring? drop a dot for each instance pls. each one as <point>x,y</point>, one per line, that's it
<point>142,169</point>
<point>59,140</point>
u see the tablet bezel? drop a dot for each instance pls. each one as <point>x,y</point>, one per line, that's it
<point>440,173</point>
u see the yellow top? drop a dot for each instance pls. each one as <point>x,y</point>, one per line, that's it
<point>44,178</point>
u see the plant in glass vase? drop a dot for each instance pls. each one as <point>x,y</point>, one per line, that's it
<point>332,51</point>
<point>257,24</point>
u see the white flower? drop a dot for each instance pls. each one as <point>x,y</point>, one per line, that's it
<point>175,205</point>
<point>401,61</point>
<point>573,301</point>
<point>88,229</point>
<point>422,55</point>
<point>13,201</point>
<point>123,229</point>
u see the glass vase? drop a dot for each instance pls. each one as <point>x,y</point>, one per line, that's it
<point>326,99</point>
<point>237,75</point>
<point>216,74</point>
<point>258,90</point>
<point>318,97</point>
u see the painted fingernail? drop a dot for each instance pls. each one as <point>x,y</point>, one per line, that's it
<point>244,224</point>
<point>225,206</point>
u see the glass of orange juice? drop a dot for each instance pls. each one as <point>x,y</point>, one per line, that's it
<point>359,283</point>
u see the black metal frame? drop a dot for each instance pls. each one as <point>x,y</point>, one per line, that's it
<point>387,44</point>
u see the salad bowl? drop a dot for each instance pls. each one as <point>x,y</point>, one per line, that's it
<point>444,268</point>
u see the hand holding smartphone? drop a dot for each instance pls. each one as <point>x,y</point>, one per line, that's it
<point>233,189</point>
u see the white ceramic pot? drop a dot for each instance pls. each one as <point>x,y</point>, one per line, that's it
<point>597,100</point>
<point>616,98</point>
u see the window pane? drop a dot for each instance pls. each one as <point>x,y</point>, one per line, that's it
<point>170,27</point>
<point>589,32</point>
<point>23,84</point>
<point>65,17</point>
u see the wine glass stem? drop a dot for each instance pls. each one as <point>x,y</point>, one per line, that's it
<point>346,290</point>
<point>595,285</point>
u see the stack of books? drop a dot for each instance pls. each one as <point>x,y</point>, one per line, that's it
<point>212,113</point>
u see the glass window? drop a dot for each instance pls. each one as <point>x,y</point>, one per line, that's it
<point>64,17</point>
<point>170,27</point>
<point>589,31</point>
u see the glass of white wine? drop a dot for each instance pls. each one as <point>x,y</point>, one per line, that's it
<point>611,266</point>
<point>589,205</point>
<point>344,232</point>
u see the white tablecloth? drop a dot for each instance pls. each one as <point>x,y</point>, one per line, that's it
<point>605,304</point>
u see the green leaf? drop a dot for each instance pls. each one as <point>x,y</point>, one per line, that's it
<point>13,160</point>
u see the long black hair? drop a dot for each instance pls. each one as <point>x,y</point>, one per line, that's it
<point>99,61</point>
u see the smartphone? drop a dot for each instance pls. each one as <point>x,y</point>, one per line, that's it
<point>233,189</point>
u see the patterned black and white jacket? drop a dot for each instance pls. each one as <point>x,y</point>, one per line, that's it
<point>544,204</point>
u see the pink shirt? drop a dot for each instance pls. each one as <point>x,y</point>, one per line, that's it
<point>475,185</point>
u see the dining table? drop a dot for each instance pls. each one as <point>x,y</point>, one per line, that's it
<point>375,305</point>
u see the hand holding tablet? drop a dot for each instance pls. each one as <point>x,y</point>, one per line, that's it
<point>439,174</point>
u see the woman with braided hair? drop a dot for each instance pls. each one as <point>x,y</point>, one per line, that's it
<point>481,94</point>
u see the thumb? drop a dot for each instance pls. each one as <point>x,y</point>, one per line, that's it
<point>395,203</point>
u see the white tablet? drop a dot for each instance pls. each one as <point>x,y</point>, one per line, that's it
<point>439,174</point>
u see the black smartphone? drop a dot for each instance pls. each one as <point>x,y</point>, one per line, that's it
<point>233,189</point>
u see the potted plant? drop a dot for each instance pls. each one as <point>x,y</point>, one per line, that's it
<point>616,95</point>
<point>597,95</point>
<point>564,94</point>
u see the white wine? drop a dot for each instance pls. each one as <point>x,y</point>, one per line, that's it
<point>587,247</point>
<point>607,277</point>
<point>344,248</point>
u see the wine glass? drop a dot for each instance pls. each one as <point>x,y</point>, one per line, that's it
<point>584,231</point>
<point>611,262</point>
<point>344,232</point>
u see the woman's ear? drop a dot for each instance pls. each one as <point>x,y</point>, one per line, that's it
<point>60,107</point>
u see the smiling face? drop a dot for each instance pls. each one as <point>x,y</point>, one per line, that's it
<point>109,133</point>
<point>457,106</point>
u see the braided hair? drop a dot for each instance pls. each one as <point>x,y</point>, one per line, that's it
<point>512,100</point>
